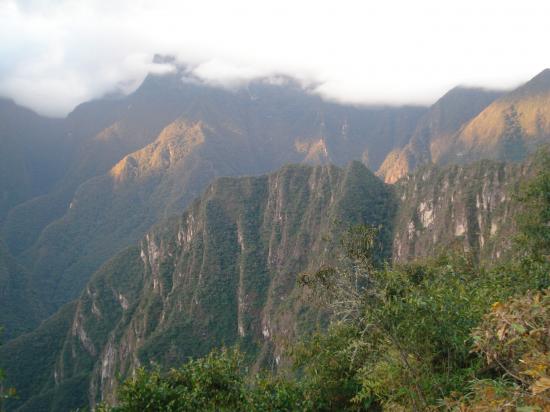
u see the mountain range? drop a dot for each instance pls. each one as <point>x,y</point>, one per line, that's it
<point>149,164</point>
<point>156,226</point>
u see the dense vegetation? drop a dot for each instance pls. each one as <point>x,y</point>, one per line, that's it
<point>17,315</point>
<point>441,334</point>
<point>5,393</point>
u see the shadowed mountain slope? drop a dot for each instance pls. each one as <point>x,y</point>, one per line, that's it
<point>32,157</point>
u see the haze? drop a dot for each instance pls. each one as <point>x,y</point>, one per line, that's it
<point>57,54</point>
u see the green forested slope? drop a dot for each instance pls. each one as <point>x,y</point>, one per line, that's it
<point>222,273</point>
<point>20,312</point>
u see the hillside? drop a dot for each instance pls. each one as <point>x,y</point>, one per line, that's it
<point>508,129</point>
<point>222,272</point>
<point>443,119</point>
<point>33,154</point>
<point>467,125</point>
<point>99,134</point>
<point>20,311</point>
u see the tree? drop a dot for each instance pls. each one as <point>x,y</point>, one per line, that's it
<point>534,222</point>
<point>513,146</point>
<point>216,382</point>
<point>514,340</point>
<point>401,337</point>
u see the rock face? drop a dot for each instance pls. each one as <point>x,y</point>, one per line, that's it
<point>223,272</point>
<point>469,208</point>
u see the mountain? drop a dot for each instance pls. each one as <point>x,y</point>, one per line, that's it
<point>443,119</point>
<point>472,124</point>
<point>170,139</point>
<point>33,154</point>
<point>223,272</point>
<point>507,129</point>
<point>19,313</point>
<point>100,133</point>
<point>86,189</point>
<point>469,208</point>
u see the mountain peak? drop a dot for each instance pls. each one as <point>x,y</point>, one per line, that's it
<point>538,85</point>
<point>542,76</point>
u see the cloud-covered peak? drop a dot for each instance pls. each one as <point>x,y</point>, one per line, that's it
<point>55,54</point>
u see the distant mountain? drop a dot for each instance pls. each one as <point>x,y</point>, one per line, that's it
<point>507,129</point>
<point>33,153</point>
<point>224,271</point>
<point>471,124</point>
<point>148,155</point>
<point>439,124</point>
<point>100,133</point>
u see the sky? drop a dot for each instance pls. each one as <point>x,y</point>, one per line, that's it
<point>59,53</point>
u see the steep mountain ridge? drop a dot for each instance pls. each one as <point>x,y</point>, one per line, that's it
<point>224,272</point>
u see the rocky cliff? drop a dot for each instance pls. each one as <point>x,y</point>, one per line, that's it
<point>471,208</point>
<point>222,273</point>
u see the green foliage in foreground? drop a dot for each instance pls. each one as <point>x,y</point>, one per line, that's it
<point>217,382</point>
<point>443,334</point>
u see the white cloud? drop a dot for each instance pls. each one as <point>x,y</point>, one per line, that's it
<point>56,54</point>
